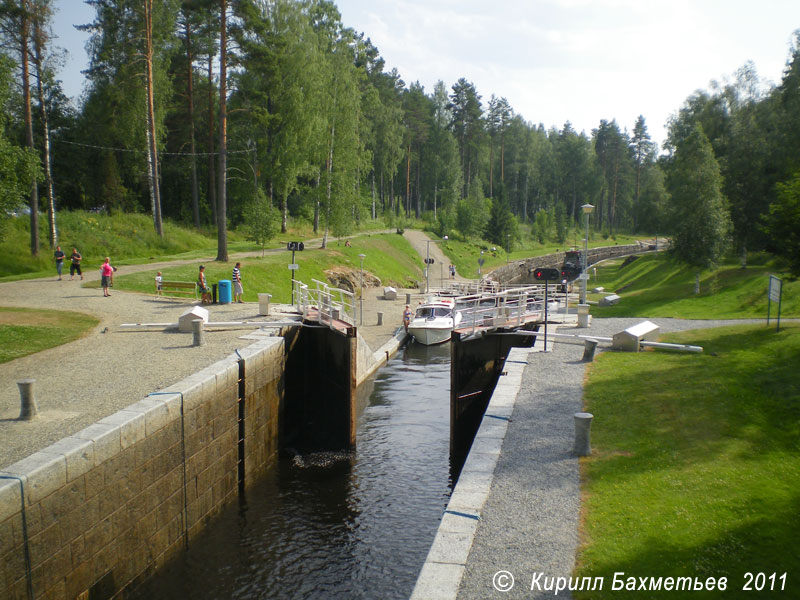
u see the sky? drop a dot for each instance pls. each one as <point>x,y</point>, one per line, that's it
<point>554,60</point>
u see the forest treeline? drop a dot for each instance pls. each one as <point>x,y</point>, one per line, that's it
<point>257,112</point>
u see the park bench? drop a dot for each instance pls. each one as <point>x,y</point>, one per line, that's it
<point>185,288</point>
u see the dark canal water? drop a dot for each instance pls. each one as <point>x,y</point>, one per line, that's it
<point>329,526</point>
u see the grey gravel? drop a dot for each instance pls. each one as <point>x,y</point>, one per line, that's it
<point>530,520</point>
<point>79,383</point>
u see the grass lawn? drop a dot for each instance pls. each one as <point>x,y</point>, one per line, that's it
<point>25,331</point>
<point>655,286</point>
<point>695,468</point>
<point>388,256</point>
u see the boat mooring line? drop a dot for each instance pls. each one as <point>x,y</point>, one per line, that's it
<point>462,514</point>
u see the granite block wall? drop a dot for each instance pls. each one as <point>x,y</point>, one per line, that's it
<point>110,504</point>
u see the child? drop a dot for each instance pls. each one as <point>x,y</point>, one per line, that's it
<point>158,284</point>
<point>106,274</point>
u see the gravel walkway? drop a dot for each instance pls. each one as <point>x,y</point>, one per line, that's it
<point>529,523</point>
<point>110,368</point>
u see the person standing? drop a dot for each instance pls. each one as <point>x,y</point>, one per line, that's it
<point>238,290</point>
<point>106,276</point>
<point>407,317</point>
<point>203,285</point>
<point>159,284</point>
<point>75,266</point>
<point>59,256</point>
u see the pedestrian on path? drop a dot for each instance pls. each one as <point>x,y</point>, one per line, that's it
<point>75,266</point>
<point>106,276</point>
<point>238,290</point>
<point>159,284</point>
<point>59,256</point>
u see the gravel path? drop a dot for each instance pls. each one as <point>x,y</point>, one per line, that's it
<point>530,519</point>
<point>110,368</point>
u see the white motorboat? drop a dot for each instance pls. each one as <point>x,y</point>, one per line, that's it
<point>434,321</point>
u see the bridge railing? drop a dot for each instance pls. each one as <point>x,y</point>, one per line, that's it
<point>512,307</point>
<point>324,303</point>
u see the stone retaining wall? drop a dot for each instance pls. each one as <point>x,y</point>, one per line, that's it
<point>115,501</point>
<point>521,272</point>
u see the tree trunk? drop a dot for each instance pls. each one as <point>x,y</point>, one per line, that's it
<point>328,185</point>
<point>374,215</point>
<point>39,41</point>
<point>190,93</point>
<point>222,219</point>
<point>316,204</point>
<point>151,124</point>
<point>26,101</point>
<point>408,181</point>
<point>697,282</point>
<point>212,183</point>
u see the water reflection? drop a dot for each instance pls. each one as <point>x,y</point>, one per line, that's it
<point>338,525</point>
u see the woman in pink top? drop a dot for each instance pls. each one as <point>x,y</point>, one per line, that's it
<point>106,276</point>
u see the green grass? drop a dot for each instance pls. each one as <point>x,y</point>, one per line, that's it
<point>695,468</point>
<point>388,256</point>
<point>26,331</point>
<point>655,286</point>
<point>127,238</point>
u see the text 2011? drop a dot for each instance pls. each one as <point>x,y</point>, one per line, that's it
<point>761,581</point>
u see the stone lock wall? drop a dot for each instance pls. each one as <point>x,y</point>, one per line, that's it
<point>521,272</point>
<point>107,506</point>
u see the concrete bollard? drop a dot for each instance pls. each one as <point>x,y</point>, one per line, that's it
<point>28,409</point>
<point>408,299</point>
<point>589,348</point>
<point>583,315</point>
<point>380,318</point>
<point>263,304</point>
<point>198,337</point>
<point>583,426</point>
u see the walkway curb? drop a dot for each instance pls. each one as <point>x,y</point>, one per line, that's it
<point>446,561</point>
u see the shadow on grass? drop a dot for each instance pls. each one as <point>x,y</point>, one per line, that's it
<point>758,543</point>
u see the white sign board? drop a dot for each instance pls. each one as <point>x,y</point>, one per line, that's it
<point>584,276</point>
<point>775,288</point>
<point>294,267</point>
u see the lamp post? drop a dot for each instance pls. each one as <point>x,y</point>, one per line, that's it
<point>587,209</point>
<point>428,259</point>
<point>361,258</point>
<point>480,264</point>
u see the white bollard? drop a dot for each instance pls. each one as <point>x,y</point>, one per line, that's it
<point>583,426</point>
<point>583,315</point>
<point>198,337</point>
<point>263,303</point>
<point>28,409</point>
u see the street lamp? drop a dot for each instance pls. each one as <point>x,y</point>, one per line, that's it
<point>428,259</point>
<point>361,258</point>
<point>587,209</point>
<point>480,264</point>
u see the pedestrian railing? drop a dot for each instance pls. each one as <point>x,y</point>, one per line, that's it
<point>323,303</point>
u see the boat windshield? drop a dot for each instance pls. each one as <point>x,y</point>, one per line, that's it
<point>430,312</point>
